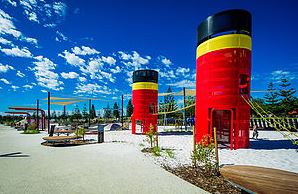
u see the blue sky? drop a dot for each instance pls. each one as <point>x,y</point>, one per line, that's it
<point>90,48</point>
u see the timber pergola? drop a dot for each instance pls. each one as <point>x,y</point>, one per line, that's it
<point>18,113</point>
<point>32,109</point>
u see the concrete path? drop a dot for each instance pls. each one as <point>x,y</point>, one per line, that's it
<point>98,168</point>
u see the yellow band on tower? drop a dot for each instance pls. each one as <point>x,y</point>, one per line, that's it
<point>144,85</point>
<point>224,41</point>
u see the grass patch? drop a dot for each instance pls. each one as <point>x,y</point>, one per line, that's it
<point>170,153</point>
<point>33,131</point>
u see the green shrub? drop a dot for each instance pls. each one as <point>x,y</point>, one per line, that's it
<point>31,131</point>
<point>80,132</point>
<point>204,156</point>
<point>156,151</point>
<point>170,153</point>
<point>152,136</point>
<point>32,126</point>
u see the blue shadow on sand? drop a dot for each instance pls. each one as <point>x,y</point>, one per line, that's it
<point>266,144</point>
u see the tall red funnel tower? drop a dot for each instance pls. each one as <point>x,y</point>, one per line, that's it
<point>223,66</point>
<point>144,99</point>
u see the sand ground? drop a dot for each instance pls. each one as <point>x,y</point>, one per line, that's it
<point>98,168</point>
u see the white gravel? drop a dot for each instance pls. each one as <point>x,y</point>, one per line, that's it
<point>270,150</point>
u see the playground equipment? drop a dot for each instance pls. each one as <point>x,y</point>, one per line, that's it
<point>43,117</point>
<point>223,76</point>
<point>144,99</point>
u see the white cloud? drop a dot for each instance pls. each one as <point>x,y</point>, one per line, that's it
<point>182,71</point>
<point>12,2</point>
<point>4,81</point>
<point>50,25</point>
<point>7,26</point>
<point>108,76</point>
<point>42,11</point>
<point>45,75</point>
<point>166,61</point>
<point>116,70</point>
<point>109,60</point>
<point>169,74</point>
<point>16,52</point>
<point>20,74</point>
<point>82,79</point>
<point>5,68</point>
<point>91,89</point>
<point>14,87</point>
<point>43,91</point>
<point>60,37</point>
<point>124,55</point>
<point>184,83</point>
<point>72,59</point>
<point>134,61</point>
<point>84,50</point>
<point>27,86</point>
<point>69,75</point>
<point>278,75</point>
<point>30,40</point>
<point>31,16</point>
<point>59,8</point>
<point>4,41</point>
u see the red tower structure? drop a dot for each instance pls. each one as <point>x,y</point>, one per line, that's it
<point>144,100</point>
<point>223,66</point>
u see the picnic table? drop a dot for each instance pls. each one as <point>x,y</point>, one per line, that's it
<point>63,131</point>
<point>253,179</point>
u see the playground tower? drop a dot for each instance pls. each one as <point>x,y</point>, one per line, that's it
<point>223,65</point>
<point>144,99</point>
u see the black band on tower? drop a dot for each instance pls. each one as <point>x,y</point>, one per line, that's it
<point>145,76</point>
<point>237,21</point>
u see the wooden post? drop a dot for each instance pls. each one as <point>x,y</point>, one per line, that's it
<point>194,143</point>
<point>216,149</point>
<point>156,137</point>
<point>89,113</point>
<point>184,102</point>
<point>37,114</point>
<point>122,110</point>
<point>49,111</point>
<point>194,137</point>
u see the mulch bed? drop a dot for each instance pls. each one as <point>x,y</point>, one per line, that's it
<point>70,143</point>
<point>210,183</point>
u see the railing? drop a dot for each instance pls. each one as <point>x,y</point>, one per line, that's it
<point>291,123</point>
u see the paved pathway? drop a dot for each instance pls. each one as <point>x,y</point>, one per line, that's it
<point>98,168</point>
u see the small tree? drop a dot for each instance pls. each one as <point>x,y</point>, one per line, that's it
<point>190,100</point>
<point>84,112</point>
<point>287,95</point>
<point>93,112</point>
<point>107,112</point>
<point>129,109</point>
<point>204,156</point>
<point>116,110</point>
<point>76,113</point>
<point>271,98</point>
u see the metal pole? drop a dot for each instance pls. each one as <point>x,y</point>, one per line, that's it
<point>122,110</point>
<point>37,113</point>
<point>184,109</point>
<point>64,111</point>
<point>216,149</point>
<point>89,112</point>
<point>49,111</point>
